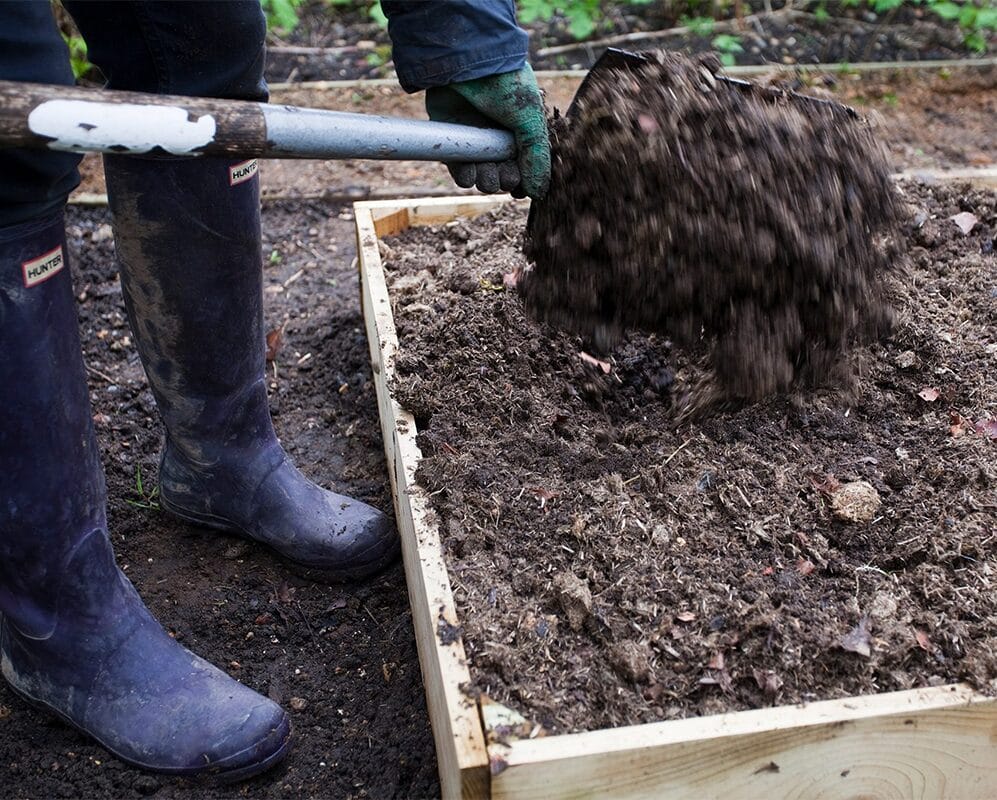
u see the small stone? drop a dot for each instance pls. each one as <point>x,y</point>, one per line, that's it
<point>631,662</point>
<point>146,785</point>
<point>883,606</point>
<point>855,502</point>
<point>906,360</point>
<point>575,598</point>
<point>298,703</point>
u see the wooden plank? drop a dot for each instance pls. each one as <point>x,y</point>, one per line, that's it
<point>460,745</point>
<point>924,743</point>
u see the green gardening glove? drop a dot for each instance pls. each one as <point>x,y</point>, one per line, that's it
<point>511,100</point>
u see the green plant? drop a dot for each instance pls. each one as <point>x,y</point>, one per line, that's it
<point>145,499</point>
<point>975,18</point>
<point>77,55</point>
<point>582,15</point>
<point>698,26</point>
<point>281,15</point>
<point>728,46</point>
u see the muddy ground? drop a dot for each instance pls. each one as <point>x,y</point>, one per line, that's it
<point>341,659</point>
<point>341,41</point>
<point>614,563</point>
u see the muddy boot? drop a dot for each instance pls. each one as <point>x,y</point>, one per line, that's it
<point>187,234</point>
<point>75,638</point>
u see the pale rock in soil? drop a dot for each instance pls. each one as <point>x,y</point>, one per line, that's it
<point>855,502</point>
<point>631,661</point>
<point>575,598</point>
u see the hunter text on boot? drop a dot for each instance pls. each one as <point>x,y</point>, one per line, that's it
<point>243,171</point>
<point>44,267</point>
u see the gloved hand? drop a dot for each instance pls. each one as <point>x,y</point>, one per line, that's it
<point>510,100</point>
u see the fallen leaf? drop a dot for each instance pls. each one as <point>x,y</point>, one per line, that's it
<point>957,424</point>
<point>987,427</point>
<point>717,662</point>
<point>928,394</point>
<point>603,365</point>
<point>857,640</point>
<point>923,641</point>
<point>685,616</point>
<point>275,339</point>
<point>647,123</point>
<point>804,566</point>
<point>965,221</point>
<point>768,571</point>
<point>768,681</point>
<point>826,485</point>
<point>511,279</point>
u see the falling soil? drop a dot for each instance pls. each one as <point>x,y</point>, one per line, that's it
<point>756,225</point>
<point>612,565</point>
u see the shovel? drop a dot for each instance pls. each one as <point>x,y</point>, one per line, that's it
<point>80,120</point>
<point>615,59</point>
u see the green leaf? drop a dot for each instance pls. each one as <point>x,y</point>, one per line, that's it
<point>581,22</point>
<point>727,59</point>
<point>976,42</point>
<point>726,43</point>
<point>879,6</point>
<point>967,17</point>
<point>376,13</point>
<point>987,19</point>
<point>945,10</point>
<point>698,26</point>
<point>533,10</point>
<point>821,15</point>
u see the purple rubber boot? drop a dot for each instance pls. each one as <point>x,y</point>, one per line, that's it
<point>187,234</point>
<point>75,638</point>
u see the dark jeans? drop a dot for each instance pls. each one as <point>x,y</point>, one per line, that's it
<point>203,49</point>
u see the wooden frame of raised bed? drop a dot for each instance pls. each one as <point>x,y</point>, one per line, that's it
<point>925,743</point>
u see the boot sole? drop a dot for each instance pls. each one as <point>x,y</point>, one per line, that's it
<point>211,774</point>
<point>309,571</point>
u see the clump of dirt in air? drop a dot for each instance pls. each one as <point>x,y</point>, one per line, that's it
<point>750,224</point>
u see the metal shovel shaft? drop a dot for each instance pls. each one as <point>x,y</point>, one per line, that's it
<point>102,121</point>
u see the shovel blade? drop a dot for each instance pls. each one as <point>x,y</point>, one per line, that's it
<point>617,60</point>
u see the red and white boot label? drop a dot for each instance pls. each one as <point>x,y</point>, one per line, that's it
<point>44,267</point>
<point>243,171</point>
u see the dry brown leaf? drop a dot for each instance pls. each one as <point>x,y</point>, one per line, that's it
<point>275,339</point>
<point>685,616</point>
<point>987,427</point>
<point>923,641</point>
<point>857,640</point>
<point>965,221</point>
<point>717,662</point>
<point>805,566</point>
<point>929,394</point>
<point>603,365</point>
<point>826,485</point>
<point>957,424</point>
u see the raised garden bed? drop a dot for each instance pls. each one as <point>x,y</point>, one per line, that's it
<point>931,742</point>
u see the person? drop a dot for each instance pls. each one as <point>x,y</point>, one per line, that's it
<point>75,637</point>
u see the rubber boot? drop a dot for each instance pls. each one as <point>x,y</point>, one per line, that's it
<point>187,234</point>
<point>75,638</point>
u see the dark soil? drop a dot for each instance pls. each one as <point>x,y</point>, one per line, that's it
<point>349,45</point>
<point>745,220</point>
<point>341,659</point>
<point>612,566</point>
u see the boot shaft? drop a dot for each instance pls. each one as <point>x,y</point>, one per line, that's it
<point>187,234</point>
<point>51,484</point>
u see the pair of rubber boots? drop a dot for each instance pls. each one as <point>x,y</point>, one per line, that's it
<point>74,635</point>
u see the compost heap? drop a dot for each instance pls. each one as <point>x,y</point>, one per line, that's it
<point>757,229</point>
